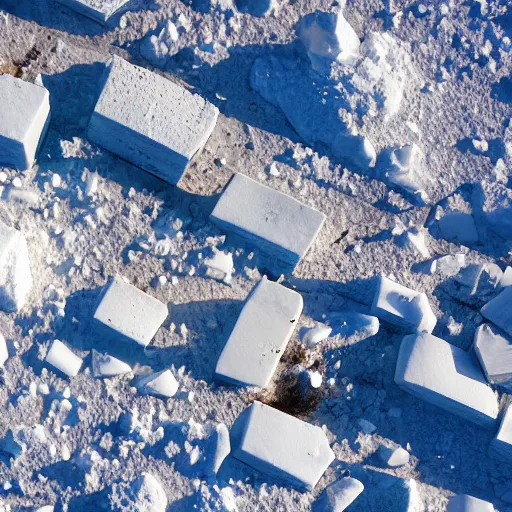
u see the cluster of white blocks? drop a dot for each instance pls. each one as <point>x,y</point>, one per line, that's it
<point>99,10</point>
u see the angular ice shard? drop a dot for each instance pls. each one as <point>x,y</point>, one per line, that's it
<point>279,444</point>
<point>99,10</point>
<point>63,359</point>
<point>104,365</point>
<point>161,384</point>
<point>465,503</point>
<point>499,310</point>
<point>501,445</point>
<point>340,494</point>
<point>150,121</point>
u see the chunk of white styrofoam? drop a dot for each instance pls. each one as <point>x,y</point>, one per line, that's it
<point>24,115</point>
<point>128,313</point>
<point>63,359</point>
<point>340,494</point>
<point>99,10</point>
<point>279,444</point>
<point>506,279</point>
<point>260,335</point>
<point>15,275</point>
<point>499,310</point>
<point>501,445</point>
<point>446,376</point>
<point>4,354</point>
<point>465,503</point>
<point>150,121</point>
<point>402,306</point>
<point>276,223</point>
<point>161,384</point>
<point>104,365</point>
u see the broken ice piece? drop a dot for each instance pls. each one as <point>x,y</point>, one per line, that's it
<point>506,279</point>
<point>63,359</point>
<point>465,503</point>
<point>221,450</point>
<point>458,227</point>
<point>281,445</point>
<point>274,222</point>
<point>447,376</point>
<point>161,384</point>
<point>260,335</point>
<point>311,336</point>
<point>402,306</point>
<point>15,276</point>
<point>24,115</point>
<point>4,354</point>
<point>220,266</point>
<point>340,494</point>
<point>131,120</point>
<point>394,457</point>
<point>501,445</point>
<point>499,310</point>
<point>104,365</point>
<point>354,327</point>
<point>99,10</point>
<point>125,312</point>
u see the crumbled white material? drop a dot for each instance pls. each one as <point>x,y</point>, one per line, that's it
<point>394,457</point>
<point>99,10</point>
<point>315,379</point>
<point>501,445</point>
<point>498,310</point>
<point>340,494</point>
<point>354,327</point>
<point>105,365</point>
<point>260,336</point>
<point>311,336</point>
<point>465,503</point>
<point>446,376</point>
<point>63,359</point>
<point>281,445</point>
<point>161,384</point>
<point>220,266</point>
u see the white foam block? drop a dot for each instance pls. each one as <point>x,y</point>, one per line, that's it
<point>465,503</point>
<point>281,445</point>
<point>15,276</point>
<point>162,384</point>
<point>99,10</point>
<point>260,335</point>
<point>104,365</point>
<point>128,313</point>
<point>446,376</point>
<point>402,306</point>
<point>24,112</point>
<point>276,223</point>
<point>63,359</point>
<point>149,120</point>
<point>501,445</point>
<point>499,310</point>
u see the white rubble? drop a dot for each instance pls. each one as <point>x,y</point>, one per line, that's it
<point>501,445</point>
<point>131,120</point>
<point>99,10</point>
<point>465,503</point>
<point>402,306</point>
<point>506,279</point>
<point>340,494</point>
<point>447,376</point>
<point>24,116</point>
<point>105,365</point>
<point>498,310</point>
<point>63,359</point>
<point>394,457</point>
<point>126,313</point>
<point>15,275</point>
<point>281,445</point>
<point>276,223</point>
<point>449,264</point>
<point>260,336</point>
<point>160,384</point>
<point>4,354</point>
<point>220,266</point>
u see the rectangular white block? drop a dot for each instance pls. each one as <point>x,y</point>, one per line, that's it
<point>63,359</point>
<point>99,10</point>
<point>446,376</point>
<point>150,121</point>
<point>501,445</point>
<point>260,336</point>
<point>272,221</point>
<point>24,116</point>
<point>127,313</point>
<point>279,444</point>
<point>499,310</point>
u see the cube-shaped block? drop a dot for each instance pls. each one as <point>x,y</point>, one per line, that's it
<point>276,443</point>
<point>260,335</point>
<point>272,221</point>
<point>24,115</point>
<point>62,358</point>
<point>499,310</point>
<point>465,503</point>
<point>99,10</point>
<point>15,276</point>
<point>150,121</point>
<point>446,376</point>
<point>125,312</point>
<point>501,445</point>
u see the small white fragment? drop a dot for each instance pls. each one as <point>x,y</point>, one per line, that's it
<point>506,280</point>
<point>341,494</point>
<point>222,449</point>
<point>314,335</point>
<point>104,365</point>
<point>161,384</point>
<point>4,354</point>
<point>315,379</point>
<point>394,457</point>
<point>220,266</point>
<point>63,359</point>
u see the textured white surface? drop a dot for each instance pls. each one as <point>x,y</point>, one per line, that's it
<point>506,280</point>
<point>465,503</point>
<point>260,335</point>
<point>446,376</point>
<point>4,354</point>
<point>99,10</point>
<point>63,359</point>
<point>162,384</point>
<point>501,445</point>
<point>499,310</point>
<point>340,494</point>
<point>281,445</point>
<point>104,365</point>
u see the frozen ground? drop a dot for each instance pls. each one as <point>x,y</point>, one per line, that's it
<point>88,215</point>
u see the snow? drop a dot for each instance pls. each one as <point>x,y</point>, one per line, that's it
<point>313,335</point>
<point>506,279</point>
<point>62,358</point>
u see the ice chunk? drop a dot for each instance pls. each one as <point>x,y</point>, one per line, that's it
<point>24,116</point>
<point>446,376</point>
<point>99,10</point>
<point>458,227</point>
<point>354,327</point>
<point>340,494</point>
<point>254,7</point>
<point>402,307</point>
<point>221,451</point>
<point>104,365</point>
<point>498,310</point>
<point>450,264</point>
<point>311,336</point>
<point>465,503</point>
<point>394,457</point>
<point>4,354</point>
<point>131,120</point>
<point>501,445</point>
<point>271,220</point>
<point>15,276</point>
<point>281,445</point>
<point>63,359</point>
<point>260,336</point>
<point>161,384</point>
<point>506,279</point>
<point>356,148</point>
<point>149,494</point>
<point>495,201</point>
<point>415,238</point>
<point>124,312</point>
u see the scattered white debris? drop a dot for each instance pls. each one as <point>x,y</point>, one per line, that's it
<point>274,442</point>
<point>447,376</point>
<point>415,238</point>
<point>394,457</point>
<point>63,359</point>
<point>161,384</point>
<point>315,379</point>
<point>99,10</point>
<point>311,336</point>
<point>465,503</point>
<point>501,445</point>
<point>498,310</point>
<point>340,494</point>
<point>220,266</point>
<point>260,336</point>
<point>104,365</point>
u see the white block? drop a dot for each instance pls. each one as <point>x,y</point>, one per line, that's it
<point>150,121</point>
<point>506,279</point>
<point>24,115</point>
<point>394,457</point>
<point>465,503</point>
<point>501,445</point>
<point>99,10</point>
<point>281,445</point>
<point>128,313</point>
<point>499,310</point>
<point>63,359</point>
<point>402,306</point>
<point>4,354</point>
<point>260,335</point>
<point>274,222</point>
<point>446,376</point>
<point>148,494</point>
<point>340,494</point>
<point>161,384</point>
<point>104,365</point>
